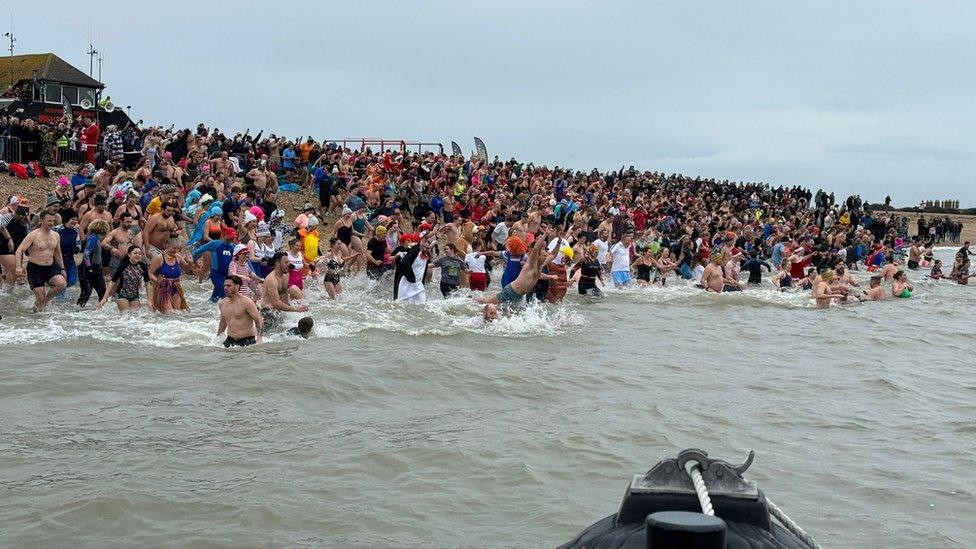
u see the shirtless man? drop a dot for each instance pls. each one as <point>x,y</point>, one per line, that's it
<point>259,175</point>
<point>46,265</point>
<point>98,211</point>
<point>160,228</point>
<point>515,292</point>
<point>915,254</point>
<point>822,291</point>
<point>875,292</point>
<point>712,278</point>
<point>104,177</point>
<point>239,316</point>
<point>889,270</point>
<point>223,166</point>
<point>277,295</point>
<point>117,241</point>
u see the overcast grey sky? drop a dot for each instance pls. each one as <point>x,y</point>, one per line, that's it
<point>874,97</point>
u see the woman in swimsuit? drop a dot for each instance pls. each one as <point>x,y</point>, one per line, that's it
<point>644,264</point>
<point>360,229</point>
<point>782,278</point>
<point>166,292</point>
<point>343,231</point>
<point>241,266</point>
<point>590,271</point>
<point>126,281</point>
<point>297,261</point>
<point>334,262</point>
<point>900,287</point>
<point>665,265</point>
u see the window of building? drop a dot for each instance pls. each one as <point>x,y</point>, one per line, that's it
<point>71,93</point>
<point>52,93</point>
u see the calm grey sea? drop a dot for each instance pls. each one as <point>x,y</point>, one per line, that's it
<point>418,426</point>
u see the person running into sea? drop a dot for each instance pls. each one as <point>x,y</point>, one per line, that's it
<point>68,233</point>
<point>514,293</point>
<point>239,316</point>
<point>782,279</point>
<point>221,255</point>
<point>514,257</point>
<point>620,253</point>
<point>590,271</point>
<point>475,261</point>
<point>334,263</point>
<point>451,267</point>
<point>412,258</point>
<point>278,292</point>
<point>558,274</point>
<point>91,276</point>
<point>755,266</point>
<point>241,266</point>
<point>166,292</point>
<point>45,267</point>
<point>127,280</point>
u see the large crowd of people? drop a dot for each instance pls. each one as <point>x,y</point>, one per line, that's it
<point>197,203</point>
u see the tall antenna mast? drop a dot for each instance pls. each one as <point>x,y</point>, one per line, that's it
<point>10,35</point>
<point>91,53</point>
<point>100,67</point>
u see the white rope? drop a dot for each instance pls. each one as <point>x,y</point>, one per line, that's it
<point>693,468</point>
<point>793,527</point>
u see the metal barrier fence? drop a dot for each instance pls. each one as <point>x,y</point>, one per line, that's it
<point>13,149</point>
<point>10,149</point>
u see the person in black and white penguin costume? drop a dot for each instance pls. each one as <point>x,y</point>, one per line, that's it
<point>412,258</point>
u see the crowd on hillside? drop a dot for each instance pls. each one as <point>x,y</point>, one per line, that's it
<point>167,202</point>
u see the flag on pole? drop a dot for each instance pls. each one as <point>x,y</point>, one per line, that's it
<point>456,149</point>
<point>66,105</point>
<point>480,147</point>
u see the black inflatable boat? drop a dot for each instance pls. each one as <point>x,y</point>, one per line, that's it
<point>693,501</point>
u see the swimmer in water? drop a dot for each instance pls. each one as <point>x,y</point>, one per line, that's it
<point>936,272</point>
<point>304,328</point>
<point>875,292</point>
<point>515,292</point>
<point>900,287</point>
<point>822,291</point>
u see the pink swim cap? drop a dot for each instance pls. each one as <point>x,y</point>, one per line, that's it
<point>258,212</point>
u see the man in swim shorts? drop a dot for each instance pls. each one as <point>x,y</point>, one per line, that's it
<point>239,316</point>
<point>46,264</point>
<point>514,292</point>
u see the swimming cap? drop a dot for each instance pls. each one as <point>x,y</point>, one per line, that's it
<point>380,230</point>
<point>229,232</point>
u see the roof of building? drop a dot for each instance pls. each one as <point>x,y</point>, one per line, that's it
<point>46,66</point>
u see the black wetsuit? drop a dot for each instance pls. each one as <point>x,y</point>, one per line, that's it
<point>754,266</point>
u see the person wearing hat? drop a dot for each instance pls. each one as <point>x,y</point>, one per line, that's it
<point>310,240</point>
<point>241,266</point>
<point>301,220</point>
<point>410,268</point>
<point>263,249</point>
<point>558,281</point>
<point>221,255</point>
<point>13,229</point>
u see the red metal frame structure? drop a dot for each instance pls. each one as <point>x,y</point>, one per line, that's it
<point>384,144</point>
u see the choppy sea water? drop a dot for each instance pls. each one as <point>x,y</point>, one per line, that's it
<point>418,426</point>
